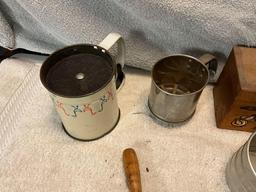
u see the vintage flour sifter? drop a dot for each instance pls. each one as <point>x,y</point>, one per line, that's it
<point>82,81</point>
<point>241,169</point>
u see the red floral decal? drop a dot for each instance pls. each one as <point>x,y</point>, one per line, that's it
<point>89,109</point>
<point>60,106</point>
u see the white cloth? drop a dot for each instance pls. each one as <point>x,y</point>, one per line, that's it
<point>152,29</point>
<point>37,155</point>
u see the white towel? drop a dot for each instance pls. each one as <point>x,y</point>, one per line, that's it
<point>152,29</point>
<point>37,155</point>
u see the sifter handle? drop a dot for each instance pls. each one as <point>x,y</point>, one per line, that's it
<point>107,43</point>
<point>132,171</point>
<point>212,64</point>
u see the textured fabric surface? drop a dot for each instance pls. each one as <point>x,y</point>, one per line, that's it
<point>152,29</point>
<point>36,154</point>
<point>12,77</point>
<point>6,33</point>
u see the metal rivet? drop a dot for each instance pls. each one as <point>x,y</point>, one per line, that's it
<point>103,51</point>
<point>80,76</point>
<point>95,47</point>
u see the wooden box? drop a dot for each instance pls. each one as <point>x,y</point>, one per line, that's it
<point>235,93</point>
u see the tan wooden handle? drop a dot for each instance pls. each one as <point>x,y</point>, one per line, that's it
<point>132,170</point>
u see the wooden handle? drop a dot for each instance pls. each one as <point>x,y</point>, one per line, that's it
<point>132,170</point>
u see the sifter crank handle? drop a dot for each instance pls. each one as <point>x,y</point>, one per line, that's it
<point>132,171</point>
